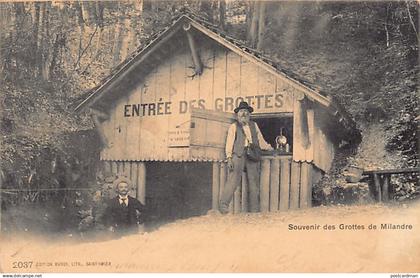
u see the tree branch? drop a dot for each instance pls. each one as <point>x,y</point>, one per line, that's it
<point>87,46</point>
<point>411,21</point>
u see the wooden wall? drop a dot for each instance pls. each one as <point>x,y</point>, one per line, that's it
<point>226,80</point>
<point>283,185</point>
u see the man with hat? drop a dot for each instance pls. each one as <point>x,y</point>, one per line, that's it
<point>242,135</point>
<point>123,213</point>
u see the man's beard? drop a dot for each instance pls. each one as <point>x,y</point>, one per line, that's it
<point>243,120</point>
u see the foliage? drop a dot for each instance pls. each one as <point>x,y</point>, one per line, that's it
<point>51,53</point>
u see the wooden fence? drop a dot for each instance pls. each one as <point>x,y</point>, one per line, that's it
<point>283,185</point>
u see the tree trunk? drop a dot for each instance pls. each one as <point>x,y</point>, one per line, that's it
<point>206,9</point>
<point>59,42</point>
<point>81,23</point>
<point>261,25</point>
<point>119,33</point>
<point>252,34</point>
<point>35,21</point>
<point>46,46</point>
<point>222,14</point>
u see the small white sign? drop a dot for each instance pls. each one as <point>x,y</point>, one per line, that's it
<point>179,137</point>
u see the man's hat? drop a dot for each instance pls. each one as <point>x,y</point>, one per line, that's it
<point>121,179</point>
<point>244,105</point>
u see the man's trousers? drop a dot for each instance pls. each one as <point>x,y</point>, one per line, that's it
<point>241,164</point>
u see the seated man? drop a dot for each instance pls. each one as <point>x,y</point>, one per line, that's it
<point>123,213</point>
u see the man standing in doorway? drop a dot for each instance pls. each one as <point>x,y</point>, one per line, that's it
<point>241,135</point>
<point>124,213</point>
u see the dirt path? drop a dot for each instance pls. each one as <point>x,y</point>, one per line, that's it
<point>244,243</point>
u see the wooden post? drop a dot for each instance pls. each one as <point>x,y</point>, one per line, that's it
<point>237,208</point>
<point>198,65</point>
<point>377,187</point>
<point>294,185</point>
<point>141,182</point>
<point>265,185</point>
<point>284,184</point>
<point>306,185</point>
<point>385,188</point>
<point>274,184</point>
<point>244,193</point>
<point>215,186</point>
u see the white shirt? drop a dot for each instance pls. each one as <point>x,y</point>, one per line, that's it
<point>230,140</point>
<point>125,201</point>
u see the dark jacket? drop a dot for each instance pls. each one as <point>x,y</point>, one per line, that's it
<point>124,218</point>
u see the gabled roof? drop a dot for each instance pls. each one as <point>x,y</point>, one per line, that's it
<point>212,31</point>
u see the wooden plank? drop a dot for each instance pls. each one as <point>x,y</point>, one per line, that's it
<point>306,185</point>
<point>385,187</point>
<point>265,185</point>
<point>219,84</point>
<point>237,206</point>
<point>222,167</point>
<point>284,184</point>
<point>134,176</point>
<point>244,193</point>
<point>295,185</point>
<point>141,182</point>
<point>114,167</point>
<point>233,80</point>
<point>107,167</point>
<point>377,182</point>
<point>274,184</point>
<point>215,186</point>
<point>393,171</point>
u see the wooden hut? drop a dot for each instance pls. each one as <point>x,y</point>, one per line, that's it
<point>164,112</point>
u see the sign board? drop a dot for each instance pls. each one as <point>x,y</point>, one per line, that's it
<point>179,137</point>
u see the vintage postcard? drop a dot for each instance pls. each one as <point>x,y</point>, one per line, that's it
<point>209,136</point>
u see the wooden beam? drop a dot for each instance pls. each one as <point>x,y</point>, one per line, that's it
<point>393,171</point>
<point>198,65</point>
